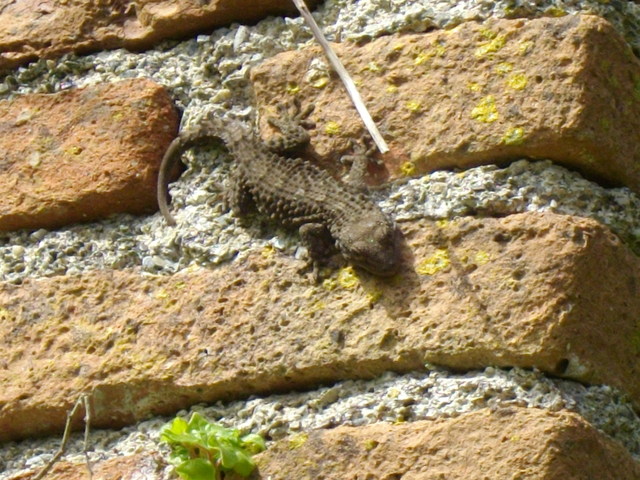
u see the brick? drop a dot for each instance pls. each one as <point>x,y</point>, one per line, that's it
<point>82,154</point>
<point>30,29</point>
<point>506,443</point>
<point>565,89</point>
<point>555,292</point>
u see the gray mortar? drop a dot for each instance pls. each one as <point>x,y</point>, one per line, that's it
<point>210,74</point>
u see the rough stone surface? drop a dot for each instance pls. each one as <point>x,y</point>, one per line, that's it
<point>497,444</point>
<point>82,154</point>
<point>30,29</point>
<point>567,89</point>
<point>506,443</point>
<point>147,466</point>
<point>556,292</point>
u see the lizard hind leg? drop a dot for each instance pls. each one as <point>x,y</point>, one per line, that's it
<point>237,197</point>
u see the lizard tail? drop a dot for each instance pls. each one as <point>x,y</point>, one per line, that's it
<point>168,162</point>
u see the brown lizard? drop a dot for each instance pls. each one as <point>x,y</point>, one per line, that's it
<point>270,178</point>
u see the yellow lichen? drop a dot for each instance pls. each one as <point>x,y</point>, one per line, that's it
<point>408,168</point>
<point>525,47</point>
<point>74,150</point>
<point>374,296</point>
<point>347,278</point>
<point>492,46</point>
<point>442,223</point>
<point>556,12</point>
<point>298,440</point>
<point>481,257</point>
<point>320,82</point>
<point>421,58</point>
<point>503,68</point>
<point>474,86</point>
<point>392,89</point>
<point>485,111</point>
<point>5,316</point>
<point>373,67</point>
<point>435,263</point>
<point>292,88</point>
<point>329,284</point>
<point>513,136</point>
<point>517,81</point>
<point>370,444</point>
<point>332,128</point>
<point>438,50</point>
<point>161,294</point>
<point>268,251</point>
<point>413,106</point>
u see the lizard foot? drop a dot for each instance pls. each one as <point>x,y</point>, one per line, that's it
<point>292,123</point>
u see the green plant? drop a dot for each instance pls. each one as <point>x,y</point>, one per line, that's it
<point>202,450</point>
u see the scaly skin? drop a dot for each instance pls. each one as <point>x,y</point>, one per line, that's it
<point>295,193</point>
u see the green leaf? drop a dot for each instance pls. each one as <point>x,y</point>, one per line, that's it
<point>201,449</point>
<point>197,469</point>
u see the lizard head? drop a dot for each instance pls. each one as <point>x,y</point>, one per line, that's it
<point>371,243</point>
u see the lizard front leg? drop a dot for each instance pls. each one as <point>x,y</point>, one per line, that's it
<point>320,245</point>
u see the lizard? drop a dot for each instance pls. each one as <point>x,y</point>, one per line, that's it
<point>269,176</point>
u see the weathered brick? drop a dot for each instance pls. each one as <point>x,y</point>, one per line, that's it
<point>506,443</point>
<point>559,293</point>
<point>30,29</point>
<point>566,89</point>
<point>82,154</point>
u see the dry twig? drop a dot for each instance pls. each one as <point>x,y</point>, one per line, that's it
<point>348,82</point>
<point>82,400</point>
